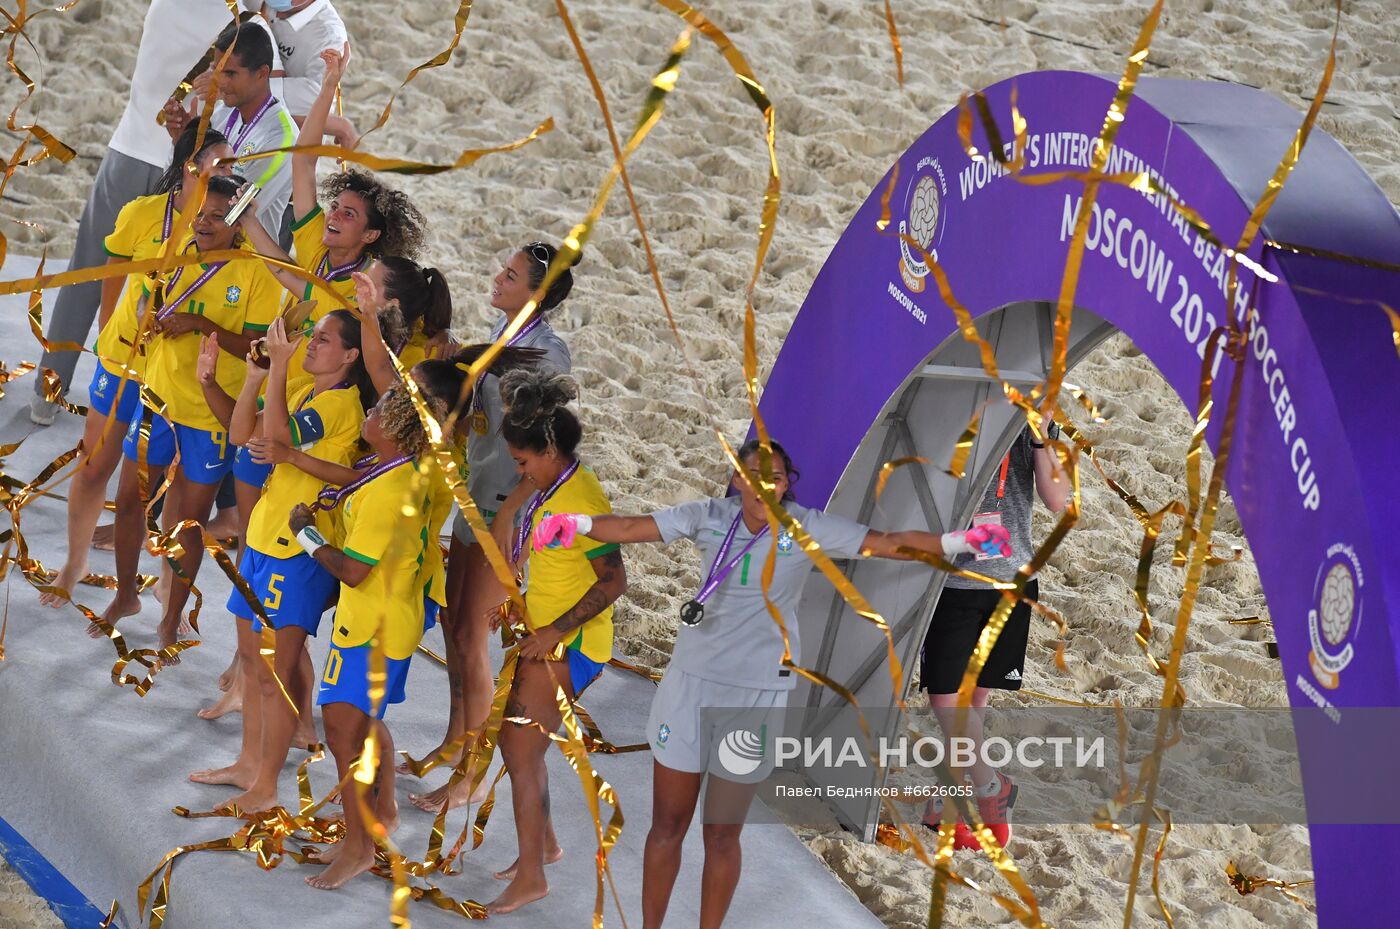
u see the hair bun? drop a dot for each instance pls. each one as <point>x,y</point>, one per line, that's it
<point>531,395</point>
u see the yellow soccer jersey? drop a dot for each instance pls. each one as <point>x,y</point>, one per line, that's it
<point>433,578</point>
<point>240,295</point>
<point>386,526</point>
<point>138,234</point>
<point>558,578</point>
<point>311,255</point>
<point>417,349</point>
<point>326,426</point>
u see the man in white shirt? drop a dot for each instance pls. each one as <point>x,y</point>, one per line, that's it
<point>251,117</point>
<point>303,29</point>
<point>175,35</point>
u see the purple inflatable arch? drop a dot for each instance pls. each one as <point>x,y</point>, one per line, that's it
<point>874,369</point>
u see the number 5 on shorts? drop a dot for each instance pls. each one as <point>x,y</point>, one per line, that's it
<point>274,599</point>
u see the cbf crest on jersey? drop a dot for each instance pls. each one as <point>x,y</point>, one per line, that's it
<point>232,294</point>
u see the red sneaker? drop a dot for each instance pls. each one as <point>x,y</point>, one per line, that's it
<point>995,812</point>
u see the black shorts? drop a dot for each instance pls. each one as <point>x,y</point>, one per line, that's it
<point>957,622</point>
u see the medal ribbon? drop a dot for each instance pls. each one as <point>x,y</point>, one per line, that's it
<point>166,226</point>
<point>248,126</point>
<point>329,497</point>
<point>326,273</point>
<point>199,282</point>
<point>533,506</point>
<point>718,573</point>
<point>514,340</point>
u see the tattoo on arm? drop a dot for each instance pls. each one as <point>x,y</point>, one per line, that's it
<point>598,597</point>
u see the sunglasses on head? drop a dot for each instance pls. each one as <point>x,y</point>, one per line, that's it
<point>538,251</point>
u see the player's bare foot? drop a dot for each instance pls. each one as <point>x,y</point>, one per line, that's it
<point>224,526</point>
<point>351,862</point>
<point>519,893</point>
<point>508,874</point>
<point>254,800</point>
<point>459,795</point>
<point>68,575</point>
<point>120,607</point>
<point>104,538</point>
<point>230,702</point>
<point>166,638</point>
<point>328,854</point>
<point>230,675</point>
<point>450,762</point>
<point>235,775</point>
<point>306,738</point>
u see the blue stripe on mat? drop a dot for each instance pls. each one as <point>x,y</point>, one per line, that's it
<point>68,903</point>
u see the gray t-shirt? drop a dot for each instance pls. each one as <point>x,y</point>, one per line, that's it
<point>737,642</point>
<point>274,129</point>
<point>493,475</point>
<point>1014,504</point>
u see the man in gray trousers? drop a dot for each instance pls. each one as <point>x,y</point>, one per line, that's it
<point>176,34</point>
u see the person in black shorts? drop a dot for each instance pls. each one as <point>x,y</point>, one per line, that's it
<point>966,605</point>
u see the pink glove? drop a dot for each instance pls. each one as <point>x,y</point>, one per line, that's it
<point>991,540</point>
<point>559,530</point>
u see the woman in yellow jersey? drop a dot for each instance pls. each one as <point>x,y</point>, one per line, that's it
<point>569,596</point>
<point>142,227</point>
<point>235,300</point>
<point>366,220</point>
<point>324,417</point>
<point>385,532</point>
<point>409,307</point>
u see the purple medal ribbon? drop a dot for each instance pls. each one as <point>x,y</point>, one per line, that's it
<point>199,282</point>
<point>693,611</point>
<point>248,126</point>
<point>537,501</point>
<point>169,217</point>
<point>326,273</point>
<point>329,498</point>
<point>529,327</point>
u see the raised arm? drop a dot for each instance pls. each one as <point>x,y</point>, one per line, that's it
<point>372,345</point>
<point>206,369</point>
<point>276,417</point>
<point>313,130</point>
<point>265,244</point>
<point>990,540</point>
<point>243,424</point>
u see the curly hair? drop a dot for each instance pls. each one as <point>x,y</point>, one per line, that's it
<point>402,228</point>
<point>399,419</point>
<point>536,410</point>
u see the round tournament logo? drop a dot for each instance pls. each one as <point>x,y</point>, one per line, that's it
<point>922,222</point>
<point>1335,619</point>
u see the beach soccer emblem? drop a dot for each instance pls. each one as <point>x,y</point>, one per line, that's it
<point>1335,618</point>
<point>922,222</point>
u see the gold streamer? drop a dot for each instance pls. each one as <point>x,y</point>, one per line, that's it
<point>1246,884</point>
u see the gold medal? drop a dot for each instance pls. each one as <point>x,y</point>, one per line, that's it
<point>479,422</point>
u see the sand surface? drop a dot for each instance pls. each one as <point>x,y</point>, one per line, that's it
<point>842,119</point>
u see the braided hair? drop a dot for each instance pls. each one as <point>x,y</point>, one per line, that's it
<point>398,418</point>
<point>537,416</point>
